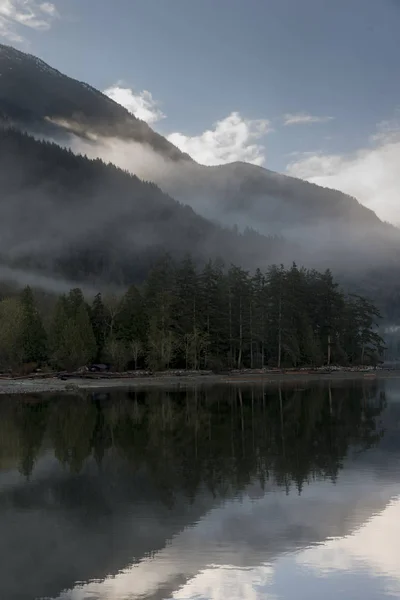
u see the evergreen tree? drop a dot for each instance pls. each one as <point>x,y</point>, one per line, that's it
<point>73,343</point>
<point>74,301</point>
<point>239,306</point>
<point>186,300</point>
<point>190,319</point>
<point>34,339</point>
<point>98,319</point>
<point>131,320</point>
<point>214,317</point>
<point>364,317</point>
<point>260,317</point>
<point>57,328</point>
<point>330,307</point>
<point>277,312</point>
<point>11,328</point>
<point>86,335</point>
<point>159,301</point>
<point>302,345</point>
<point>189,323</point>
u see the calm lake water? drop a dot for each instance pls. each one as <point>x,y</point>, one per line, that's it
<point>209,494</point>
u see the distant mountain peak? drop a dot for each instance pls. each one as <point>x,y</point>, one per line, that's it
<point>34,96</point>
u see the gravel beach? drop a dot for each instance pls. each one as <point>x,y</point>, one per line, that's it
<point>54,384</point>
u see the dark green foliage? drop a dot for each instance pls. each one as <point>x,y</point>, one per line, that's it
<point>73,343</point>
<point>98,319</point>
<point>11,347</point>
<point>213,314</point>
<point>159,302</point>
<point>362,322</point>
<point>239,302</point>
<point>185,318</point>
<point>131,320</point>
<point>33,335</point>
<point>116,352</point>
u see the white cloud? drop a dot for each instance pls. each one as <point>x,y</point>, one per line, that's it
<point>17,14</point>
<point>219,583</point>
<point>48,8</point>
<point>371,174</point>
<point>231,139</point>
<point>303,119</point>
<point>142,105</point>
<point>372,550</point>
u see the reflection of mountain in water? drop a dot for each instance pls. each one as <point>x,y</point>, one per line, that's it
<point>107,481</point>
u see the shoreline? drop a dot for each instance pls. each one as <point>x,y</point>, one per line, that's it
<point>41,385</point>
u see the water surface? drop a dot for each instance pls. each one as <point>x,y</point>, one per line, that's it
<point>210,493</point>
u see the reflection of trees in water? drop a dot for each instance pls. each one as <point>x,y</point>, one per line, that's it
<point>219,437</point>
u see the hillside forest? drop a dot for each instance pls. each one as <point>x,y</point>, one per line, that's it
<point>182,317</point>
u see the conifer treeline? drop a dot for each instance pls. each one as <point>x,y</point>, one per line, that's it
<point>183,317</point>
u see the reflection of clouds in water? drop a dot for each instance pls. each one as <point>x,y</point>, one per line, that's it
<point>210,549</point>
<point>213,583</point>
<point>258,539</point>
<point>367,563</point>
<point>223,582</point>
<point>373,549</point>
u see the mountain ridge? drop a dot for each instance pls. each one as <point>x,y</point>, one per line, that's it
<point>60,105</point>
<point>81,218</point>
<point>70,99</point>
<point>281,218</point>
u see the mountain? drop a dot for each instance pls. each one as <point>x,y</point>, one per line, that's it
<point>238,193</point>
<point>319,219</point>
<point>97,221</point>
<point>63,214</point>
<point>57,104</point>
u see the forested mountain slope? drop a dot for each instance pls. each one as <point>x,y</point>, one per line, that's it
<point>83,219</point>
<point>240,193</point>
<point>55,101</point>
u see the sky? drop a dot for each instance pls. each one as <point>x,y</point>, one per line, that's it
<point>306,88</point>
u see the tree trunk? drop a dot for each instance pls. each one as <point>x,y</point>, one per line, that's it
<point>262,340</point>
<point>280,333</point>
<point>239,363</point>
<point>208,337</point>
<point>281,415</point>
<point>241,419</point>
<point>230,328</point>
<point>329,350</point>
<point>251,337</point>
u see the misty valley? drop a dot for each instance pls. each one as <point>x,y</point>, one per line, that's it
<point>199,356</point>
<point>92,197</point>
